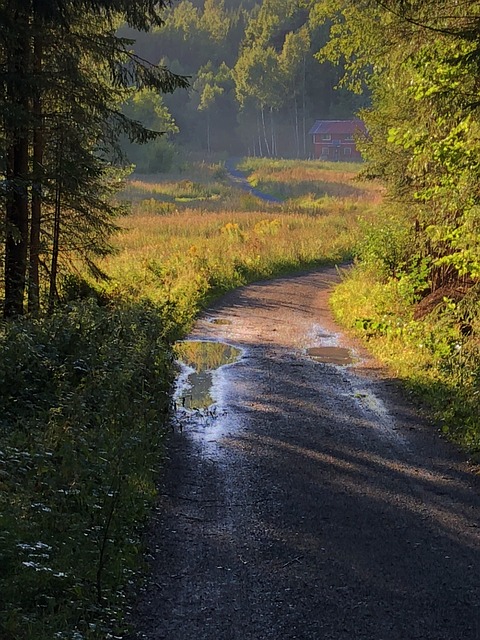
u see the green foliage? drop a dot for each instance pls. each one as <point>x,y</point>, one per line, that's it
<point>157,156</point>
<point>257,77</point>
<point>269,46</point>
<point>424,126</point>
<point>83,408</point>
<point>437,357</point>
<point>385,245</point>
<point>421,61</point>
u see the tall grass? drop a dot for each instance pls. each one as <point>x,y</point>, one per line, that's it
<point>180,261</point>
<point>437,356</point>
<point>183,257</point>
<point>311,184</point>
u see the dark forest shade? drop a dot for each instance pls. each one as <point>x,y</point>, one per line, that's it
<point>64,75</point>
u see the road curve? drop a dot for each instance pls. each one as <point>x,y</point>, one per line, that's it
<point>315,504</point>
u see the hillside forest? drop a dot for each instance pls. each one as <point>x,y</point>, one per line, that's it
<point>256,86</point>
<point>119,123</point>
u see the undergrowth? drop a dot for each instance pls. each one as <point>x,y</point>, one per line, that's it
<point>434,348</point>
<point>83,407</point>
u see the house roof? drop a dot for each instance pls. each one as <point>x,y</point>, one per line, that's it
<point>338,126</point>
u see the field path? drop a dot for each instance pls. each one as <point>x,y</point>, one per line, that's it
<point>240,180</point>
<point>315,504</point>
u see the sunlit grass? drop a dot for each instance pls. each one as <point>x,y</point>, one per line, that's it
<point>140,189</point>
<point>306,183</point>
<point>302,186</point>
<point>156,251</point>
<point>182,254</point>
<point>431,356</point>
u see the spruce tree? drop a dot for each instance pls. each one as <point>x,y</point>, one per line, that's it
<point>64,73</point>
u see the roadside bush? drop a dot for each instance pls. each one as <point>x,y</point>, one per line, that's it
<point>385,246</point>
<point>82,415</point>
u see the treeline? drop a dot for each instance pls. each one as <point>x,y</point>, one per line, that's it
<point>64,75</point>
<point>256,86</point>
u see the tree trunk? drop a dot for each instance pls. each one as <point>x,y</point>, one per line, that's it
<point>52,294</point>
<point>16,219</point>
<point>208,132</point>
<point>264,129</point>
<point>37,182</point>
<point>272,132</point>
<point>260,150</point>
<point>304,108</point>
<point>297,132</point>
<point>17,210</point>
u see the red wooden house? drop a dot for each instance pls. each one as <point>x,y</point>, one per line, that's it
<point>335,139</point>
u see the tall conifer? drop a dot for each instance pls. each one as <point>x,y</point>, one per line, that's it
<point>64,72</point>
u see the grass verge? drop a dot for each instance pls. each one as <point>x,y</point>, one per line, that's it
<point>437,356</point>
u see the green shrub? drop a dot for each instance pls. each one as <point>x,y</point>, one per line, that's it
<point>82,416</point>
<point>385,245</point>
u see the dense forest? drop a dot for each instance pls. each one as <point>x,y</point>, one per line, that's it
<point>256,83</point>
<point>420,59</point>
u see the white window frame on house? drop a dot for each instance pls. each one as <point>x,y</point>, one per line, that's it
<point>324,151</point>
<point>325,136</point>
<point>347,151</point>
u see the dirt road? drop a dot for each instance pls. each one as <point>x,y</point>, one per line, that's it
<point>314,504</point>
<point>239,179</point>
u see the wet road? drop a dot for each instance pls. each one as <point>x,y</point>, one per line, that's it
<point>311,503</point>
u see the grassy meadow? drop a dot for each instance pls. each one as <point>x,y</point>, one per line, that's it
<point>189,241</point>
<point>312,186</point>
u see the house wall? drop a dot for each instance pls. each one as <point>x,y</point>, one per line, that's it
<point>339,147</point>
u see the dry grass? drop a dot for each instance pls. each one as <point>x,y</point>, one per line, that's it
<point>307,183</point>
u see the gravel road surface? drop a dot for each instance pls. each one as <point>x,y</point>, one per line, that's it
<point>315,503</point>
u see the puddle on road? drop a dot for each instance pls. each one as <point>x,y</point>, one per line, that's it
<point>200,359</point>
<point>331,355</point>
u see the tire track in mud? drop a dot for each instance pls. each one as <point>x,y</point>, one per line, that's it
<point>315,504</point>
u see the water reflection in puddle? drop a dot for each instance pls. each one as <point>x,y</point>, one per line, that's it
<point>200,359</point>
<point>331,355</point>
